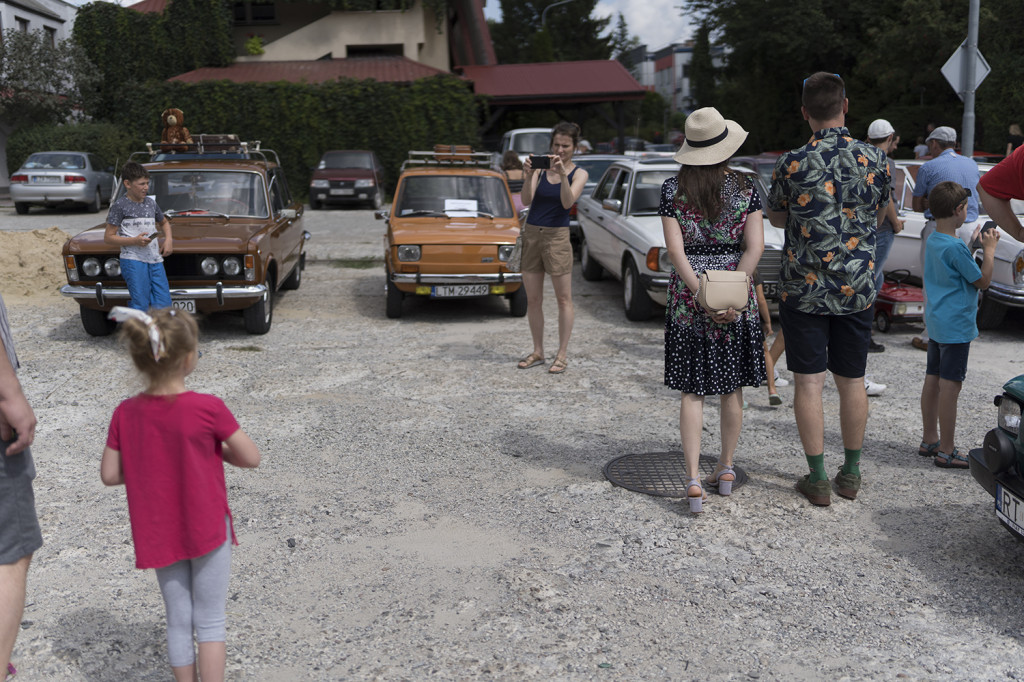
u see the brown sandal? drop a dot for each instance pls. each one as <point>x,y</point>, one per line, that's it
<point>531,360</point>
<point>558,366</point>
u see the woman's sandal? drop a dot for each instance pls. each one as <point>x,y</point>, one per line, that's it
<point>928,449</point>
<point>531,360</point>
<point>724,485</point>
<point>696,501</point>
<point>774,399</point>
<point>953,460</point>
<point>11,672</point>
<point>558,366</point>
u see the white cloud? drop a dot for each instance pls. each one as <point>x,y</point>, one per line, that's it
<point>656,23</point>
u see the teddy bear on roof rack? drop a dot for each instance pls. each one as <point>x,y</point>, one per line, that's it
<point>175,136</point>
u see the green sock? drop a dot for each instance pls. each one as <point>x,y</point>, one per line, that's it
<point>817,465</point>
<point>852,464</point>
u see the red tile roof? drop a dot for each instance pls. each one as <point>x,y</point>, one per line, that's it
<point>149,6</point>
<point>384,69</point>
<point>584,81</point>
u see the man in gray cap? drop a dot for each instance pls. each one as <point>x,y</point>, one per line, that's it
<point>946,165</point>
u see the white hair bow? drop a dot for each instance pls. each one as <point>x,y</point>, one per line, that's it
<point>120,314</point>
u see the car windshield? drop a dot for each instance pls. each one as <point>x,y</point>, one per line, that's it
<point>345,160</point>
<point>595,167</point>
<point>647,192</point>
<point>451,195</point>
<point>532,143</point>
<point>52,161</point>
<point>229,193</point>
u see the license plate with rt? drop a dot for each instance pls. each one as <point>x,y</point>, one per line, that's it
<point>1010,509</point>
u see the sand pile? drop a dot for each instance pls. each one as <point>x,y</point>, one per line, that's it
<point>30,263</point>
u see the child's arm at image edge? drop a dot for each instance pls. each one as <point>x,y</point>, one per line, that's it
<point>240,451</point>
<point>110,467</point>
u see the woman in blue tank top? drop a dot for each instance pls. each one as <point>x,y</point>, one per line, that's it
<point>550,194</point>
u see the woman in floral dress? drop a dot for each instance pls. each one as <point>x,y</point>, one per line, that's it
<point>712,220</point>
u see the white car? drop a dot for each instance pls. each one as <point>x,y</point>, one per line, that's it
<point>1007,288</point>
<point>622,235</point>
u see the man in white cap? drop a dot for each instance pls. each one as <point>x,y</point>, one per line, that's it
<point>945,165</point>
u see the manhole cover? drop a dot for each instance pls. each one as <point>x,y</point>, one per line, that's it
<point>660,473</point>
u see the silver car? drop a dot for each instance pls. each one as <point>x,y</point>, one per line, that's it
<point>55,179</point>
<point>622,234</point>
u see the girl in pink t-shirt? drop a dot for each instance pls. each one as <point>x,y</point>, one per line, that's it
<point>168,446</point>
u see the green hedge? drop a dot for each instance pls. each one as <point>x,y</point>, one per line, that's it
<point>111,142</point>
<point>301,121</point>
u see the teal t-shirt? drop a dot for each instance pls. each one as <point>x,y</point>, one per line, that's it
<point>949,273</point>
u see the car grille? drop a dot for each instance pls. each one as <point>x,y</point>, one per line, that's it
<point>768,266</point>
<point>343,184</point>
<point>177,266</point>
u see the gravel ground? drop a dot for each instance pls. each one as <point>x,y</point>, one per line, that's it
<point>426,510</point>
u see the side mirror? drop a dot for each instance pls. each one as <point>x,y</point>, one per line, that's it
<point>289,213</point>
<point>381,215</point>
<point>523,215</point>
<point>612,205</point>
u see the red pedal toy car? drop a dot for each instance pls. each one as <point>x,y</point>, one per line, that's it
<point>898,301</point>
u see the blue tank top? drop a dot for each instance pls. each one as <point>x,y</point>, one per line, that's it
<point>546,209</point>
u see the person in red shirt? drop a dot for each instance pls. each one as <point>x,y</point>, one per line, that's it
<point>998,187</point>
<point>168,446</point>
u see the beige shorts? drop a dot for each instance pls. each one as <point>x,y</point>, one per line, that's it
<point>546,249</point>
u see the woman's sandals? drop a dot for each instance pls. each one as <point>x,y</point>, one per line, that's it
<point>531,360</point>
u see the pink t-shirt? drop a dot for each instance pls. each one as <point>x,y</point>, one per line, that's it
<point>1006,180</point>
<point>173,474</point>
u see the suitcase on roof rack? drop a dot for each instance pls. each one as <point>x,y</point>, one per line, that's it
<point>453,152</point>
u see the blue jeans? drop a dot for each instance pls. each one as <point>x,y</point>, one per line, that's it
<point>883,245</point>
<point>147,284</point>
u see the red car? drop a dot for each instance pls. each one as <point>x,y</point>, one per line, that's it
<point>346,177</point>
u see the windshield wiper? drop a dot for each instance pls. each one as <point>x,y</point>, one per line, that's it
<point>422,212</point>
<point>195,211</point>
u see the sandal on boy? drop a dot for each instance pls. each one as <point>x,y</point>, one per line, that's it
<point>928,449</point>
<point>531,360</point>
<point>953,460</point>
<point>558,366</point>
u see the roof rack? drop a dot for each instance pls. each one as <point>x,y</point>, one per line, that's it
<point>212,145</point>
<point>449,155</point>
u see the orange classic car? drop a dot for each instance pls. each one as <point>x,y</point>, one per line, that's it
<point>451,231</point>
<point>237,231</point>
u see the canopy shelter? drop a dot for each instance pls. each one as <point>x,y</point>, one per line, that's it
<point>558,86</point>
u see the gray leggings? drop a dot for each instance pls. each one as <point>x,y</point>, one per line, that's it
<point>195,594</point>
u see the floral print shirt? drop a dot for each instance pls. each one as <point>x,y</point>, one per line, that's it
<point>833,188</point>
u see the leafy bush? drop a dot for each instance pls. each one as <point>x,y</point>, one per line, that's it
<point>112,143</point>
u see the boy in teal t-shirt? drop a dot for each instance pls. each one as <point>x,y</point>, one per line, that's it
<point>951,281</point>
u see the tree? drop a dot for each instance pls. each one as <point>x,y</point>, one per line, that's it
<point>40,82</point>
<point>623,44</point>
<point>573,33</point>
<point>702,70</point>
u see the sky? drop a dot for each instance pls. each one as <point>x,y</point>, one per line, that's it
<point>656,23</point>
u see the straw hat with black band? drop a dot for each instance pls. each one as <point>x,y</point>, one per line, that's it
<point>710,139</point>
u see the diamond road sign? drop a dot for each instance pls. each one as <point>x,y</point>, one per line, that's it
<point>954,72</point>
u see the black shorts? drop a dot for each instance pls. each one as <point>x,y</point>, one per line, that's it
<point>948,360</point>
<point>838,343</point>
<point>19,526</point>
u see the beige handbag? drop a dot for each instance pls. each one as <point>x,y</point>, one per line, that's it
<point>723,289</point>
<point>515,260</point>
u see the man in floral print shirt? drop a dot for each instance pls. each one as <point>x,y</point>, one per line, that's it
<point>828,197</point>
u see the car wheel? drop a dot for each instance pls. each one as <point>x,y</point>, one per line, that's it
<point>882,322</point>
<point>990,313</point>
<point>21,207</point>
<point>259,316</point>
<point>294,280</point>
<point>96,322</point>
<point>517,302</point>
<point>393,307</point>
<point>637,302</point>
<point>314,204</point>
<point>589,268</point>
<point>377,201</point>
<point>97,202</point>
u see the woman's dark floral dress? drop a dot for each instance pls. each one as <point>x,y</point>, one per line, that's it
<point>703,357</point>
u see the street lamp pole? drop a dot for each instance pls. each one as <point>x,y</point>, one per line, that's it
<point>544,14</point>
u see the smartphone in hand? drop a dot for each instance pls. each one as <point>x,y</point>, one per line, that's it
<point>990,225</point>
<point>540,161</point>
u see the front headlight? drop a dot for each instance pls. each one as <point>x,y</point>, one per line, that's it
<point>232,266</point>
<point>91,267</point>
<point>657,259</point>
<point>1009,414</point>
<point>505,252</point>
<point>112,267</point>
<point>408,252</point>
<point>900,309</point>
<point>320,184</point>
<point>368,182</point>
<point>1018,268</point>
<point>209,266</point>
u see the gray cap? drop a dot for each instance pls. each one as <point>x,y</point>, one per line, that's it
<point>943,134</point>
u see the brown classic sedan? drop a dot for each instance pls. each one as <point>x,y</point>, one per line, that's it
<point>237,231</point>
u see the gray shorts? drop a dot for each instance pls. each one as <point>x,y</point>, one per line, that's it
<point>19,526</point>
